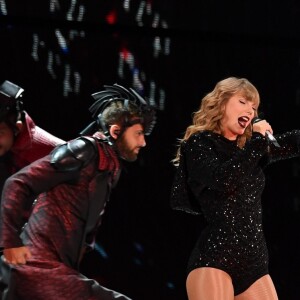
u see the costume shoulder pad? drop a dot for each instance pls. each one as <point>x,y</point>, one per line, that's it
<point>74,155</point>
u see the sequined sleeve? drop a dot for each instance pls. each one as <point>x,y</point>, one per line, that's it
<point>207,167</point>
<point>202,165</point>
<point>289,146</point>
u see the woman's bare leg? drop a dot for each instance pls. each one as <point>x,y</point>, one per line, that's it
<point>261,289</point>
<point>209,284</point>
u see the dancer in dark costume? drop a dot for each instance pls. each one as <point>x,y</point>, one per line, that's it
<point>21,141</point>
<point>220,162</point>
<point>73,184</point>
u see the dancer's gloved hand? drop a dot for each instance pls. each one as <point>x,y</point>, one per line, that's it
<point>17,256</point>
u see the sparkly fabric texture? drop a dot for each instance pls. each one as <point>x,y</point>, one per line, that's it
<point>224,183</point>
<point>64,220</point>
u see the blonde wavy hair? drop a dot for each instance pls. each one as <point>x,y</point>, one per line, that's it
<point>212,108</point>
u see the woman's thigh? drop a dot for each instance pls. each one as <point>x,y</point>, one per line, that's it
<point>209,284</point>
<point>261,289</point>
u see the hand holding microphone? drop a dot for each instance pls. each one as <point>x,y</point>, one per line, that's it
<point>264,128</point>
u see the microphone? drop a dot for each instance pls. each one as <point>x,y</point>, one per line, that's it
<point>269,135</point>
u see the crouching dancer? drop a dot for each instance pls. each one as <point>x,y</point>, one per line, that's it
<point>72,185</point>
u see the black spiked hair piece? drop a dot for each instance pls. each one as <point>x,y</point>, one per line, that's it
<point>145,113</point>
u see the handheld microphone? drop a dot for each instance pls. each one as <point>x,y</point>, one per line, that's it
<point>269,135</point>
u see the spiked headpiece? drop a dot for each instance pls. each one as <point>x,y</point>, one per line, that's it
<point>144,113</point>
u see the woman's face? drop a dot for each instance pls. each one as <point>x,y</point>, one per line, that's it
<point>238,114</point>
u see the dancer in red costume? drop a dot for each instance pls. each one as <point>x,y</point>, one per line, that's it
<point>72,186</point>
<point>21,141</point>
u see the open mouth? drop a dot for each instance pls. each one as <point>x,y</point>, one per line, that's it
<point>243,121</point>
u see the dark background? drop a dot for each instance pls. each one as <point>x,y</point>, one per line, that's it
<point>143,246</point>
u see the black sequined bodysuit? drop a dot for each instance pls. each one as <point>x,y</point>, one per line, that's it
<point>224,183</point>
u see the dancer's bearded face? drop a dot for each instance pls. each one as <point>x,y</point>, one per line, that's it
<point>130,142</point>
